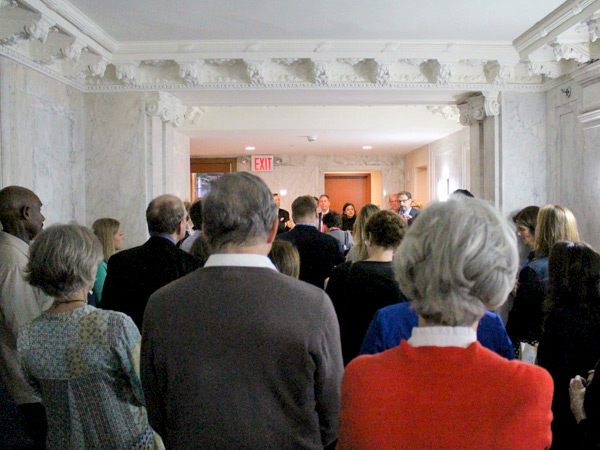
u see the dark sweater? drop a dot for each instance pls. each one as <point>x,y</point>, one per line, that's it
<point>358,290</point>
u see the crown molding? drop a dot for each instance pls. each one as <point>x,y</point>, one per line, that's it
<point>561,19</point>
<point>67,27</point>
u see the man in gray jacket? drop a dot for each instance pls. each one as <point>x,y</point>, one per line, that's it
<point>237,355</point>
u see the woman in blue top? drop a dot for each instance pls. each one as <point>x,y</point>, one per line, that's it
<point>82,361</point>
<point>109,233</point>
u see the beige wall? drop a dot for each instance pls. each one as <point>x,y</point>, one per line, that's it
<point>445,159</point>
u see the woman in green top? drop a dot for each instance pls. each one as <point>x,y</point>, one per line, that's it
<point>110,235</point>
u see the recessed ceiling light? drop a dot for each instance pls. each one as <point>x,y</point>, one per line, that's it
<point>250,148</point>
<point>367,147</point>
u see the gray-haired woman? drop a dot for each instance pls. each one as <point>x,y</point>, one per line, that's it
<point>81,360</point>
<point>441,388</point>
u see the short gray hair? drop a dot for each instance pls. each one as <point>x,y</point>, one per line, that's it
<point>63,259</point>
<point>238,211</point>
<point>164,214</point>
<point>457,260</point>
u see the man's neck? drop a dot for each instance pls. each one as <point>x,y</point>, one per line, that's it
<point>17,230</point>
<point>324,212</point>
<point>258,249</point>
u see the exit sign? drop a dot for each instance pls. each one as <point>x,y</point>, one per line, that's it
<point>262,163</point>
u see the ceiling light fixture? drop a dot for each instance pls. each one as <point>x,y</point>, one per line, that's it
<point>250,148</point>
<point>367,147</point>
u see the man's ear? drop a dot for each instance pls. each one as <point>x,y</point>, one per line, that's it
<point>273,231</point>
<point>25,212</point>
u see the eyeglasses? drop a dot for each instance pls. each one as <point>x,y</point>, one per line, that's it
<point>404,200</point>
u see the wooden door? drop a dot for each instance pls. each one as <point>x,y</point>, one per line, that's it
<point>203,170</point>
<point>348,187</point>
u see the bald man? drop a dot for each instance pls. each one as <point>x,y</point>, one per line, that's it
<point>22,220</point>
<point>134,274</point>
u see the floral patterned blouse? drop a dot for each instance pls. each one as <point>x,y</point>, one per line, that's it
<point>83,364</point>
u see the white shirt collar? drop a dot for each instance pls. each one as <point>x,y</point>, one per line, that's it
<point>239,260</point>
<point>442,337</point>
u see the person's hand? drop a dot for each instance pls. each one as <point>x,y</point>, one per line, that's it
<point>290,224</point>
<point>577,394</point>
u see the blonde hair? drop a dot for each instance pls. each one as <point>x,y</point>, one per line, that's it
<point>359,232</point>
<point>554,223</point>
<point>286,258</point>
<point>105,230</point>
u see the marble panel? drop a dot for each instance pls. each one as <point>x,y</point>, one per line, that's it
<point>449,164</point>
<point>116,162</point>
<point>588,210</point>
<point>42,140</point>
<point>180,177</point>
<point>523,154</point>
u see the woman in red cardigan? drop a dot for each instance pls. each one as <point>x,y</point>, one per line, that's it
<point>441,388</point>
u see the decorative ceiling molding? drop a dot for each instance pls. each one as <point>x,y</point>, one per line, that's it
<point>566,16</point>
<point>55,38</point>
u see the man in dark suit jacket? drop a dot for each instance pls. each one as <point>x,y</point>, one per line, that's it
<point>407,212</point>
<point>319,253</point>
<point>134,274</point>
<point>284,223</point>
<point>237,355</point>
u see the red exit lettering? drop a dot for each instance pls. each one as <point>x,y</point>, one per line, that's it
<point>262,163</point>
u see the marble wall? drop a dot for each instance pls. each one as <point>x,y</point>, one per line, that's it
<point>117,166</point>
<point>523,151</point>
<point>573,165</point>
<point>42,140</point>
<point>305,175</point>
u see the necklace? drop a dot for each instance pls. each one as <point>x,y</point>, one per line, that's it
<point>65,301</point>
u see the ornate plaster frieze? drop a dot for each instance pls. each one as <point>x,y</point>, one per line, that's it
<point>256,72</point>
<point>579,51</point>
<point>127,73</point>
<point>53,37</point>
<point>448,112</point>
<point>436,72</point>
<point>498,74</point>
<point>190,72</point>
<point>97,68</point>
<point>321,73</point>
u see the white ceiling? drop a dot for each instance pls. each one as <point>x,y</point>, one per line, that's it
<point>340,129</point>
<point>196,20</point>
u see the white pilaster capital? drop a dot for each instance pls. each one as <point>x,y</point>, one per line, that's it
<point>492,103</point>
<point>166,107</point>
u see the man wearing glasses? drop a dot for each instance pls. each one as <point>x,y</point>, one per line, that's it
<point>407,212</point>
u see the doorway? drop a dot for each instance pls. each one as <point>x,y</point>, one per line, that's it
<point>204,170</point>
<point>421,194</point>
<point>354,188</point>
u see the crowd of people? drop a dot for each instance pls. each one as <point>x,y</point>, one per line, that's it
<point>240,325</point>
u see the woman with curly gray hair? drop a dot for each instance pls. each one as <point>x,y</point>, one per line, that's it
<point>441,388</point>
<point>82,361</point>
